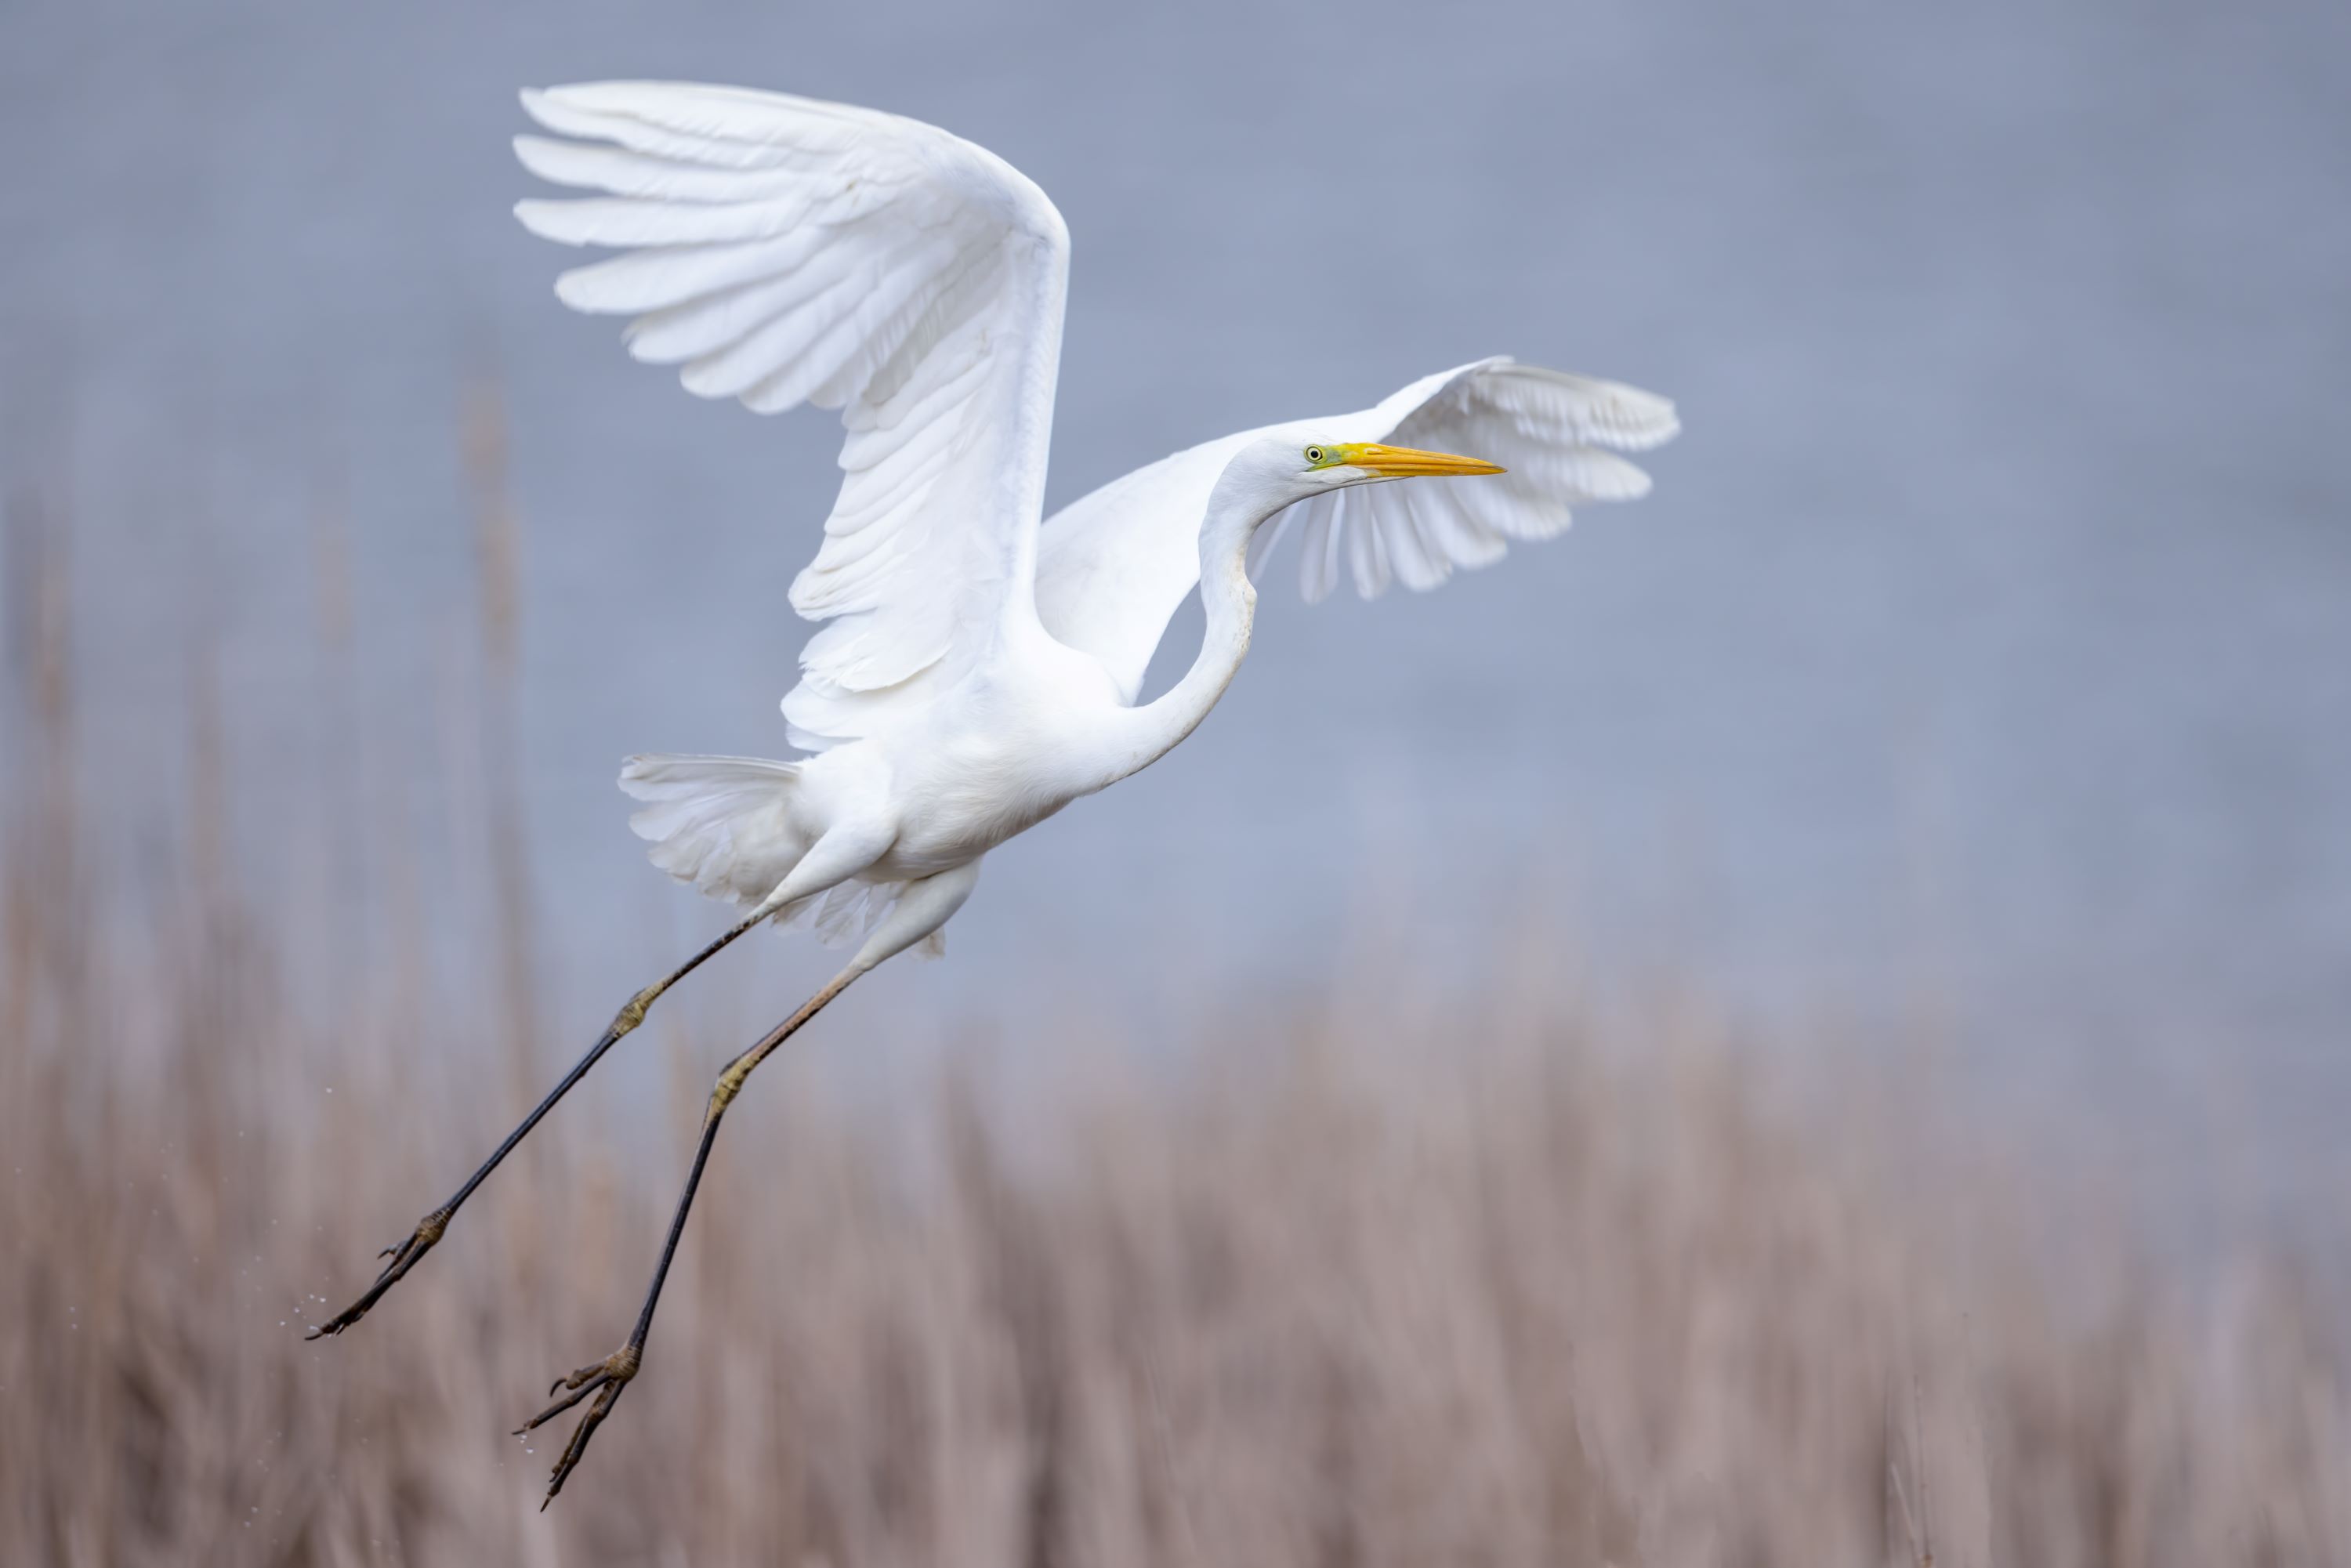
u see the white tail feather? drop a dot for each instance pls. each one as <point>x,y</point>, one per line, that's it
<point>722,824</point>
<point>726,825</point>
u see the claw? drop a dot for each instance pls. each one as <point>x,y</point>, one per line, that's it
<point>605,1379</point>
<point>403,1257</point>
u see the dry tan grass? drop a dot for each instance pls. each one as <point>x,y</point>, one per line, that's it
<point>1531,1302</point>
<point>1495,1291</point>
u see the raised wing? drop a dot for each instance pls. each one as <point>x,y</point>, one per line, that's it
<point>786,251</point>
<point>1113,566</point>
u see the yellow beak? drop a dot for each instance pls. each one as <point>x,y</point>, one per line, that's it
<point>1403,462</point>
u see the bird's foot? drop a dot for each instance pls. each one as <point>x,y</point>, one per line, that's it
<point>604,1379</point>
<point>403,1257</point>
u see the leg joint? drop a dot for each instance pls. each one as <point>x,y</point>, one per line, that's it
<point>632,1012</point>
<point>730,1085</point>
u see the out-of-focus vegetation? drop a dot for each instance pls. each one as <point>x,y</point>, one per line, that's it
<point>1511,1288</point>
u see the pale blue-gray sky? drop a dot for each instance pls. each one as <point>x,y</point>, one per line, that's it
<point>1986,645</point>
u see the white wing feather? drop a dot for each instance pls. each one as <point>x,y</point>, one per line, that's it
<point>1112,566</point>
<point>785,251</point>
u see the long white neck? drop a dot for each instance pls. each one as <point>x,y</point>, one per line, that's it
<point>1146,734</point>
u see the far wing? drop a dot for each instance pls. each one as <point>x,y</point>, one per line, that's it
<point>1113,566</point>
<point>787,251</point>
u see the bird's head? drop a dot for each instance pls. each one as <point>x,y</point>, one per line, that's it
<point>1282,469</point>
<point>1268,477</point>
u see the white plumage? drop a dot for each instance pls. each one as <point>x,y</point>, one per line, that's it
<point>783,251</point>
<point>975,671</point>
<point>1113,566</point>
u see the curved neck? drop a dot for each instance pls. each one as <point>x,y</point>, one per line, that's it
<point>1150,732</point>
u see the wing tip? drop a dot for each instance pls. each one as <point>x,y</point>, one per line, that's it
<point>1617,414</point>
<point>544,218</point>
<point>538,154</point>
<point>577,290</point>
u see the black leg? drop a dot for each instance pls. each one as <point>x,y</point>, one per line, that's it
<point>605,1379</point>
<point>429,1229</point>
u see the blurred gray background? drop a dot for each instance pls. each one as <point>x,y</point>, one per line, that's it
<point>1981,663</point>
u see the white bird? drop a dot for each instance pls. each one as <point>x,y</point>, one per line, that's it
<point>979,665</point>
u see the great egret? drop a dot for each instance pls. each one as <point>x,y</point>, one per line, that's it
<point>978,670</point>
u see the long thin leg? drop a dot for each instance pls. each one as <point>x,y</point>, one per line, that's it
<point>605,1379</point>
<point>429,1229</point>
<point>921,910</point>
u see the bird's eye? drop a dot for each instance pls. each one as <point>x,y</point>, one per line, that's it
<point>1314,454</point>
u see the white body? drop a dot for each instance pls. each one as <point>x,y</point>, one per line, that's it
<point>1012,743</point>
<point>979,666</point>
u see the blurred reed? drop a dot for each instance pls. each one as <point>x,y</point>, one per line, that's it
<point>1511,1288</point>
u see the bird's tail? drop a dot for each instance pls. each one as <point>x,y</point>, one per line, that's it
<point>725,824</point>
<point>722,824</point>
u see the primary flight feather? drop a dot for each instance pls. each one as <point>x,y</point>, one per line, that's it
<point>978,666</point>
